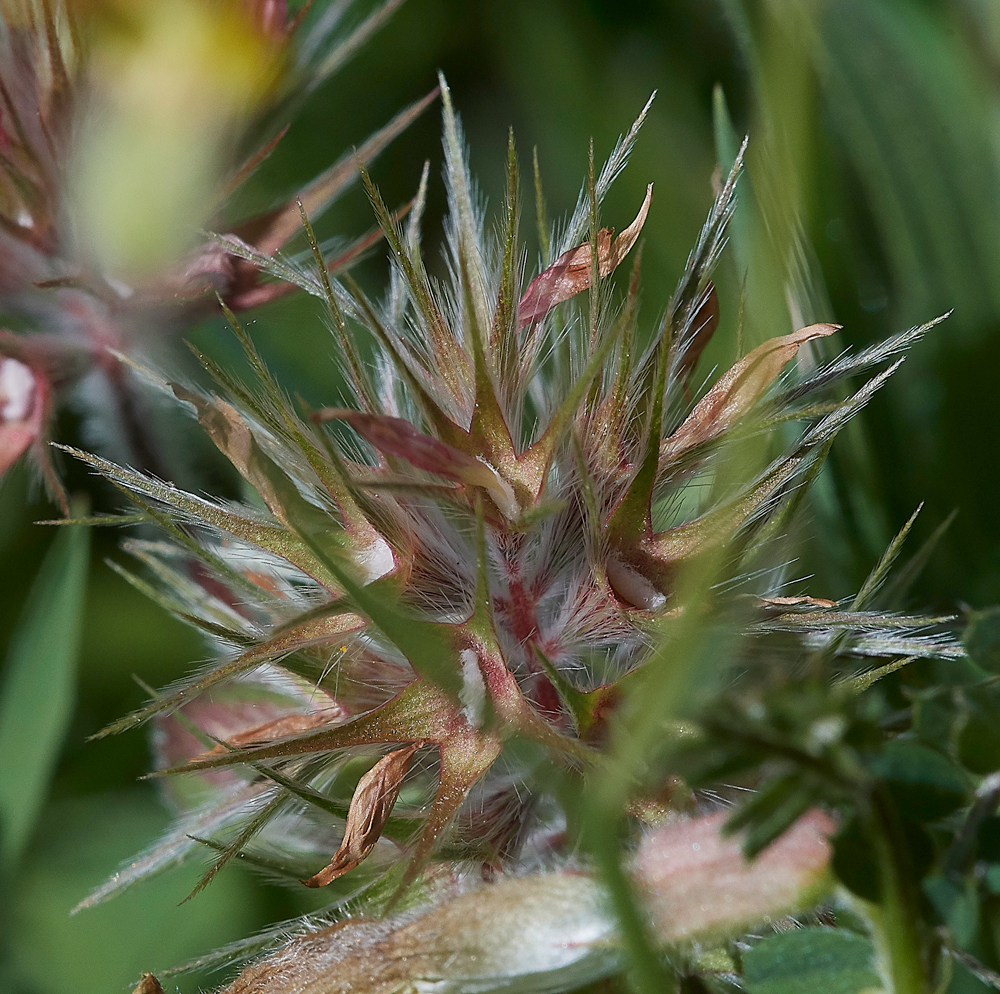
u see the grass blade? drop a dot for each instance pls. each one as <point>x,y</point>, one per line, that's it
<point>39,688</point>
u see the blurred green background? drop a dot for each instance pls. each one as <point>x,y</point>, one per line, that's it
<point>875,160</point>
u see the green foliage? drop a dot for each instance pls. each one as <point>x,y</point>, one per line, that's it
<point>909,764</point>
<point>982,639</point>
<point>817,960</point>
<point>39,687</point>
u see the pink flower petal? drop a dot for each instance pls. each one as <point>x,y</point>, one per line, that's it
<point>698,882</point>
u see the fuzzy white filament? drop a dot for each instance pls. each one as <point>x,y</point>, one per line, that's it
<point>473,692</point>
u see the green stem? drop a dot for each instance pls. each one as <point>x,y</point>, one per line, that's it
<point>648,974</point>
<point>895,919</point>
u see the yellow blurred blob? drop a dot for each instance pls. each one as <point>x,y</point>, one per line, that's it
<point>171,83</point>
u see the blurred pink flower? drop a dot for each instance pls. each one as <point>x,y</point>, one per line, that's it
<point>22,400</point>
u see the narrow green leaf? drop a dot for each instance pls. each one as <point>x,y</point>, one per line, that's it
<point>898,586</point>
<point>450,361</point>
<point>253,859</point>
<point>727,148</point>
<point>461,201</point>
<point>863,681</point>
<point>541,214</point>
<point>328,471</point>
<point>419,713</point>
<point>39,686</point>
<point>618,415</point>
<point>268,812</point>
<point>344,337</point>
<point>446,429</point>
<point>303,791</point>
<point>424,643</point>
<point>503,335</point>
<point>97,520</point>
<point>577,703</point>
<point>488,432</point>
<point>248,527</point>
<point>300,633</point>
<point>878,575</point>
<point>631,517</point>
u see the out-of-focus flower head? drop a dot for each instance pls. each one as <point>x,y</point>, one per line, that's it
<point>124,130</point>
<point>171,84</point>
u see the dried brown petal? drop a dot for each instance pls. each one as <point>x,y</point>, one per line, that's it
<point>148,984</point>
<point>398,438</point>
<point>738,389</point>
<point>272,731</point>
<point>566,277</point>
<point>371,806</point>
<point>624,242</point>
<point>803,600</point>
<point>570,273</point>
